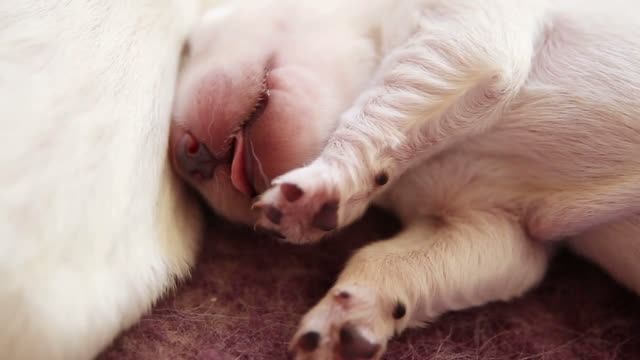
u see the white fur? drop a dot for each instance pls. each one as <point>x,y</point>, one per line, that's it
<point>502,126</point>
<point>94,227</point>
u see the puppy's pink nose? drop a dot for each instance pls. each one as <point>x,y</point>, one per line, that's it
<point>194,159</point>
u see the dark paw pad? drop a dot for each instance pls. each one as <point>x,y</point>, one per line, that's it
<point>354,346</point>
<point>274,215</point>
<point>399,311</point>
<point>291,192</point>
<point>309,341</point>
<point>381,179</point>
<point>327,217</point>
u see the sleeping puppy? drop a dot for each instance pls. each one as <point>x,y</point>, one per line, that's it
<point>491,128</point>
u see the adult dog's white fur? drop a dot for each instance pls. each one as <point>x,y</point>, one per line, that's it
<point>492,128</point>
<point>93,225</point>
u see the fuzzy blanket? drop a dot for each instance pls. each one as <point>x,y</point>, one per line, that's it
<point>247,294</point>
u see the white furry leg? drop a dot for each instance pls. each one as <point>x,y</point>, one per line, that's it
<point>573,212</point>
<point>616,248</point>
<point>427,96</point>
<point>423,272</point>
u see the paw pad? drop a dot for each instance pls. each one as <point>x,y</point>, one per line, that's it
<point>291,192</point>
<point>399,311</point>
<point>353,345</point>
<point>326,218</point>
<point>381,179</point>
<point>274,215</point>
<point>309,341</point>
<point>303,207</point>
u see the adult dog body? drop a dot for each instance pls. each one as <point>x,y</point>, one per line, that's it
<point>93,225</point>
<point>492,128</point>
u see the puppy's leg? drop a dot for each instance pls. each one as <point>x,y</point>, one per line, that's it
<point>615,247</point>
<point>465,62</point>
<point>423,272</point>
<point>574,212</point>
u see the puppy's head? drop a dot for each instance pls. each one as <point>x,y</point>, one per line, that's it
<point>260,92</point>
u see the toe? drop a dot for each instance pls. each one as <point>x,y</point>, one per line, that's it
<point>353,345</point>
<point>326,218</point>
<point>291,192</point>
<point>273,214</point>
<point>309,341</point>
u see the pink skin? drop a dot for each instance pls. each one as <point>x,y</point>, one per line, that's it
<point>249,153</point>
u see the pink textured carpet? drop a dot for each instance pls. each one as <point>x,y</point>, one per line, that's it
<point>247,294</point>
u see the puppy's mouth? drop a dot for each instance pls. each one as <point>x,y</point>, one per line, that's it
<point>247,174</point>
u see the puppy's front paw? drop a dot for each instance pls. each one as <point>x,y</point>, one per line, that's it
<point>350,323</point>
<point>302,206</point>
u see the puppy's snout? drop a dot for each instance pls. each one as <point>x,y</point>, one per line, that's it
<point>193,158</point>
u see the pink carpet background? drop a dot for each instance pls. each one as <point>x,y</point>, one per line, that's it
<point>247,294</point>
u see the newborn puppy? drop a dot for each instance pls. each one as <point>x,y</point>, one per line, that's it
<point>491,128</point>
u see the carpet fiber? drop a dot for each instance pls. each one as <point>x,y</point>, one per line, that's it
<point>248,293</point>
